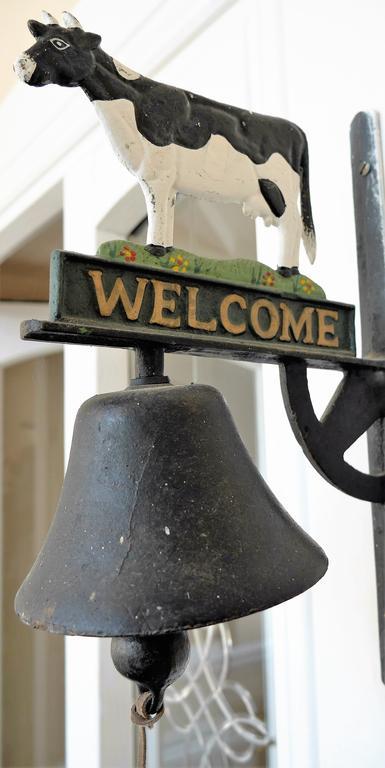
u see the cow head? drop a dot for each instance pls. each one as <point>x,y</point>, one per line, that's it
<point>64,55</point>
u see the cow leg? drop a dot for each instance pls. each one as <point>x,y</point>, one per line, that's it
<point>290,230</point>
<point>160,202</point>
<point>170,217</point>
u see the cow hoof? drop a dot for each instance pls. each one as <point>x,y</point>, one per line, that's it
<point>284,271</point>
<point>287,271</point>
<point>158,250</point>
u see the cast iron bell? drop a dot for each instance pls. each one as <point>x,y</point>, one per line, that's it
<point>164,524</point>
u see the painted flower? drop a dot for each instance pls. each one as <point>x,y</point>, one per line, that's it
<point>127,253</point>
<point>178,263</point>
<point>306,285</point>
<point>268,279</point>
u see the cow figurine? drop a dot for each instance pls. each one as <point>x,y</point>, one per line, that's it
<point>175,141</point>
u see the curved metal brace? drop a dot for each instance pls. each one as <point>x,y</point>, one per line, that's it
<point>358,402</point>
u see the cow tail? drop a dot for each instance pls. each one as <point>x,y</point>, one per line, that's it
<point>308,231</point>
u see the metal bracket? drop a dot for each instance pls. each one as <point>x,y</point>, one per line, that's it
<point>357,403</point>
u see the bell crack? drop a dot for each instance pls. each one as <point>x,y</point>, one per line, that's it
<point>119,570</point>
<point>133,509</point>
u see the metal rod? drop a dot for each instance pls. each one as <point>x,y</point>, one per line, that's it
<point>149,361</point>
<point>149,365</point>
<point>369,209</point>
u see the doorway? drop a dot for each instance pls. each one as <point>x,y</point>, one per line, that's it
<point>32,668</point>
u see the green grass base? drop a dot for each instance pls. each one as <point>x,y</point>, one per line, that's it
<point>253,273</point>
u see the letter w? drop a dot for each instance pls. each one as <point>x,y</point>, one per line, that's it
<point>107,306</point>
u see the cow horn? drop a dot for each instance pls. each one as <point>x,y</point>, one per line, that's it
<point>48,18</point>
<point>71,21</point>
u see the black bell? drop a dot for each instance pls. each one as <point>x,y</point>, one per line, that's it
<point>164,523</point>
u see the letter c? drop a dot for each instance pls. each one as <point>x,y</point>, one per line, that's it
<point>234,328</point>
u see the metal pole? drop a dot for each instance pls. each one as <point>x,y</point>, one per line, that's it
<point>369,210</point>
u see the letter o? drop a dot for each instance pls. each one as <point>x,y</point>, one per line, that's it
<point>273,327</point>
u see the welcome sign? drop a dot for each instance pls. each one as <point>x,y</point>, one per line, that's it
<point>172,308</point>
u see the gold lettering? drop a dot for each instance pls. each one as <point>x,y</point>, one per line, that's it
<point>296,326</point>
<point>192,320</point>
<point>229,326</point>
<point>107,306</point>
<point>162,304</point>
<point>272,330</point>
<point>326,331</point>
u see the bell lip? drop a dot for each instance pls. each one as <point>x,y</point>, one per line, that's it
<point>58,629</point>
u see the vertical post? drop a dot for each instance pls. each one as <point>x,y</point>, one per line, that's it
<point>369,211</point>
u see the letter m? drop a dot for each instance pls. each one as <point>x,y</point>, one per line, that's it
<point>297,327</point>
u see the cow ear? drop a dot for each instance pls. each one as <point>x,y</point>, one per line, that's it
<point>93,41</point>
<point>36,28</point>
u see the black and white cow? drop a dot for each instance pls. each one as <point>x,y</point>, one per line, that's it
<point>175,141</point>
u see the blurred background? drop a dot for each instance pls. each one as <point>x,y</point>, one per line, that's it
<point>298,686</point>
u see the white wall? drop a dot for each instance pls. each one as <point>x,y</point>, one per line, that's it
<point>332,60</point>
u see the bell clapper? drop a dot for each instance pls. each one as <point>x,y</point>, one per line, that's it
<point>153,662</point>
